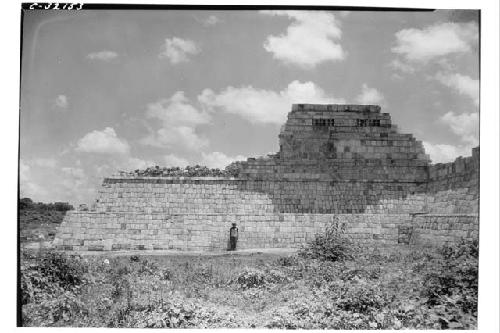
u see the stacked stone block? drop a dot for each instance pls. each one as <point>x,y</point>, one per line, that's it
<point>342,142</point>
<point>438,229</point>
<point>344,163</point>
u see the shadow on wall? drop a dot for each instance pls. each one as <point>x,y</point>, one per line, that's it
<point>449,188</point>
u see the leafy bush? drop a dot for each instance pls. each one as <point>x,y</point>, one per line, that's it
<point>287,261</point>
<point>49,271</point>
<point>330,246</point>
<point>175,311</point>
<point>452,286</point>
<point>415,290</point>
<point>303,314</point>
<point>251,278</point>
<point>53,309</point>
<point>254,278</point>
<point>50,284</point>
<point>320,313</point>
<point>360,274</point>
<point>27,203</point>
<point>361,298</point>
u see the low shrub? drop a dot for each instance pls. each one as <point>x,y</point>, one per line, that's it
<point>362,298</point>
<point>452,285</point>
<point>49,271</point>
<point>251,278</point>
<point>329,246</point>
<point>426,290</point>
<point>50,285</point>
<point>360,273</point>
<point>254,278</point>
<point>175,311</point>
<point>303,314</point>
<point>287,261</point>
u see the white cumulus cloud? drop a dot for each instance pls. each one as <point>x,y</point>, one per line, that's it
<point>219,160</point>
<point>61,101</point>
<point>443,153</point>
<point>178,124</point>
<point>402,66</point>
<point>105,141</point>
<point>370,96</point>
<point>265,106</point>
<point>465,125</point>
<point>177,50</point>
<point>134,163</point>
<point>176,137</point>
<point>27,185</point>
<point>421,45</point>
<point>172,160</point>
<point>74,172</point>
<point>176,110</point>
<point>125,162</point>
<point>45,162</point>
<point>24,170</point>
<point>211,20</point>
<point>104,55</point>
<point>463,84</point>
<point>311,39</point>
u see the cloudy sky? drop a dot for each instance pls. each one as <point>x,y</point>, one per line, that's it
<point>103,91</point>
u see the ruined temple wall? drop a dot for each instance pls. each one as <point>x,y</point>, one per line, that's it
<point>200,232</point>
<point>461,173</point>
<point>454,186</point>
<point>219,195</point>
<point>343,163</point>
<point>341,142</point>
<point>196,214</point>
<point>439,229</point>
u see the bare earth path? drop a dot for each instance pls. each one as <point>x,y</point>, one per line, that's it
<point>276,251</point>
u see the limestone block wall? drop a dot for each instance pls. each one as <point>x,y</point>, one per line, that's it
<point>93,231</point>
<point>204,195</point>
<point>342,142</point>
<point>454,186</point>
<point>196,214</point>
<point>438,229</point>
<point>217,195</point>
<point>462,173</point>
<point>343,163</point>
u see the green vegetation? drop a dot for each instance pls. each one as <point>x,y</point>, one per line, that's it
<point>320,288</point>
<point>28,204</point>
<point>37,218</point>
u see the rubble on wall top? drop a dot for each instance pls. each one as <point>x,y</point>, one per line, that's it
<point>175,172</point>
<point>130,176</point>
<point>337,107</point>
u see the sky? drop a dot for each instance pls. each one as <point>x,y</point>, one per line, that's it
<point>110,90</point>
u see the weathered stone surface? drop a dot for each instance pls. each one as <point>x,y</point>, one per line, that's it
<point>336,162</point>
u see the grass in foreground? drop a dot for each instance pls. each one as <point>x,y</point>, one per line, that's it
<point>359,289</point>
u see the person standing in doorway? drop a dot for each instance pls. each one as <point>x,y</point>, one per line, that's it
<point>233,237</point>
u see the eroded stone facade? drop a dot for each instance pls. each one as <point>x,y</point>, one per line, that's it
<point>343,163</point>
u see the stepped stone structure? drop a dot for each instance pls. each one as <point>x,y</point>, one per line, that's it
<point>346,164</point>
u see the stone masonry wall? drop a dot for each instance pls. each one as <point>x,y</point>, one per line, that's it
<point>206,194</point>
<point>344,163</point>
<point>196,214</point>
<point>341,142</point>
<point>455,186</point>
<point>195,232</point>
